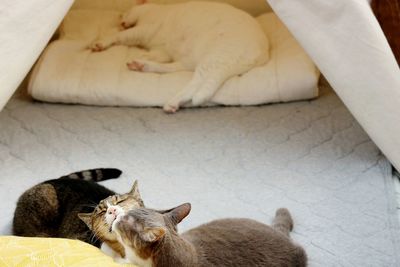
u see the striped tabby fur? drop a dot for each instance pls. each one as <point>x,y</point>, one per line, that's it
<point>50,209</point>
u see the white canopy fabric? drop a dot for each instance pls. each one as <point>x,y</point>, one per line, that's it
<point>25,29</point>
<point>347,44</point>
<point>342,37</point>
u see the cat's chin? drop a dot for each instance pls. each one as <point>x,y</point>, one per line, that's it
<point>115,221</point>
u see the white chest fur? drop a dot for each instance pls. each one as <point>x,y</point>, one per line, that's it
<point>132,257</point>
<point>110,252</point>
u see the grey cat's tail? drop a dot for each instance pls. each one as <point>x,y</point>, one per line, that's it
<point>283,221</point>
<point>95,175</point>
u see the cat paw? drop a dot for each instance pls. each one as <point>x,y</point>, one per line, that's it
<point>128,20</point>
<point>97,47</point>
<point>125,25</point>
<point>170,108</point>
<point>101,45</point>
<point>136,66</point>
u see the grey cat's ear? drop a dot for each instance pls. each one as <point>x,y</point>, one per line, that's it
<point>179,213</point>
<point>152,234</point>
<point>135,190</point>
<point>86,218</point>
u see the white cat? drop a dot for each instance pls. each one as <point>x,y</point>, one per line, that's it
<point>215,40</point>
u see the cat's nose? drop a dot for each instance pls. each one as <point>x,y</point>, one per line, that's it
<point>111,210</point>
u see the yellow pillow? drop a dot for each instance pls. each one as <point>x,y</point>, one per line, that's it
<point>42,252</point>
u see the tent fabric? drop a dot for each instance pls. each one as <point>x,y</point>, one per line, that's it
<point>346,42</point>
<point>68,72</point>
<point>25,29</point>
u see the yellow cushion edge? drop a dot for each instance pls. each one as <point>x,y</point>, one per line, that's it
<point>43,252</point>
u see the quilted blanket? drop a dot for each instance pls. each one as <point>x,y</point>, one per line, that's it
<point>311,157</point>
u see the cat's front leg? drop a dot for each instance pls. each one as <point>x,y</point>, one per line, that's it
<point>155,67</point>
<point>130,18</point>
<point>103,44</point>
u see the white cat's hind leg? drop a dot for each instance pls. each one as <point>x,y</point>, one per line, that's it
<point>156,67</point>
<point>216,70</point>
<point>208,77</point>
<point>183,96</point>
<point>157,55</point>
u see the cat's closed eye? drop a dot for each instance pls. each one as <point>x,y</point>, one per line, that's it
<point>99,210</point>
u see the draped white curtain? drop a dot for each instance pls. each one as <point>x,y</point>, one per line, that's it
<point>25,29</point>
<point>346,42</point>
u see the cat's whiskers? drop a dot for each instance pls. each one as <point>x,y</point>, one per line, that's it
<point>93,236</point>
<point>88,205</point>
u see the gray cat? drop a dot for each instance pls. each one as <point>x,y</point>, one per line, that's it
<point>150,238</point>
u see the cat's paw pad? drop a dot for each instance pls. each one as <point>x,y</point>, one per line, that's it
<point>136,65</point>
<point>170,108</point>
<point>103,44</point>
<point>97,47</point>
<point>126,25</point>
<point>128,20</point>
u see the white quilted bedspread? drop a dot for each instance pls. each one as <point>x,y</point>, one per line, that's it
<point>67,72</point>
<point>311,157</point>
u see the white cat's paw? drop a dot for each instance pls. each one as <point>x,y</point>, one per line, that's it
<point>171,108</point>
<point>101,45</point>
<point>128,19</point>
<point>136,65</point>
<point>126,25</point>
<point>96,47</point>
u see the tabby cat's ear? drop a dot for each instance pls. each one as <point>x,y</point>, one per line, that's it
<point>179,213</point>
<point>135,190</point>
<point>152,234</point>
<point>86,218</point>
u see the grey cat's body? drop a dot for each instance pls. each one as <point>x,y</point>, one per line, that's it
<point>150,238</point>
<point>240,242</point>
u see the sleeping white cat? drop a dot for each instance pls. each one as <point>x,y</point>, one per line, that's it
<point>215,40</point>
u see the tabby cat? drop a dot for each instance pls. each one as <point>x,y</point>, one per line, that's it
<point>150,238</point>
<point>51,208</point>
<point>96,220</point>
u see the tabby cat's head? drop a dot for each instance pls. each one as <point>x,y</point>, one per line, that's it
<point>96,220</point>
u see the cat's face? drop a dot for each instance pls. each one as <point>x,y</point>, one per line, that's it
<point>140,228</point>
<point>97,222</point>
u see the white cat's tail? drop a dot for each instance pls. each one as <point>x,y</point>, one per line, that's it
<point>283,221</point>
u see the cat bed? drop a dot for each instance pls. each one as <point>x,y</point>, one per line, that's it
<point>43,252</point>
<point>67,72</point>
